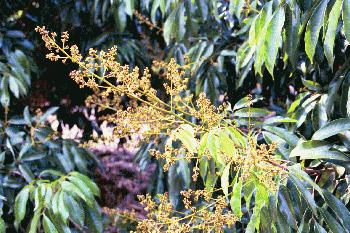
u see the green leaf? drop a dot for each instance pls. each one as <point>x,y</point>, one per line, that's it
<point>225,177</point>
<point>54,204</point>
<point>203,144</point>
<point>317,150</point>
<point>20,205</point>
<point>346,18</point>
<point>76,211</point>
<point>71,188</point>
<point>286,207</point>
<point>51,172</point>
<point>273,39</point>
<point>338,207</point>
<point>214,147</point>
<point>169,26</point>
<point>332,223</point>
<point>289,137</point>
<point>304,192</point>
<point>94,219</point>
<point>2,225</point>
<point>26,173</point>
<point>236,7</point>
<point>245,102</point>
<point>83,188</point>
<point>185,133</point>
<point>313,28</point>
<point>252,112</point>
<point>227,145</point>
<point>331,31</point>
<point>62,207</point>
<point>34,223</point>
<point>14,86</point>
<point>292,28</point>
<point>332,128</point>
<point>49,227</point>
<point>311,85</point>
<point>88,182</point>
<point>236,197</point>
<point>120,17</point>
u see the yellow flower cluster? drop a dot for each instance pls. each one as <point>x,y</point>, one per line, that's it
<point>259,161</point>
<point>146,114</point>
<point>133,106</point>
<point>202,213</point>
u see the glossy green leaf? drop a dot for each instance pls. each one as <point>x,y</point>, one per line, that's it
<point>62,209</point>
<point>313,28</point>
<point>49,227</point>
<point>76,211</point>
<point>235,201</point>
<point>273,39</point>
<point>186,135</point>
<point>346,18</point>
<point>21,205</point>
<point>331,31</point>
<point>94,219</point>
<point>332,128</point>
<point>292,28</point>
<point>71,188</point>
<point>34,222</point>
<point>225,177</point>
<point>88,182</point>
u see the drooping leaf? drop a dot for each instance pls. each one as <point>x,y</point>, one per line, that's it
<point>235,201</point>
<point>21,205</point>
<point>346,18</point>
<point>49,227</point>
<point>225,176</point>
<point>34,223</point>
<point>313,28</point>
<point>273,39</point>
<point>331,31</point>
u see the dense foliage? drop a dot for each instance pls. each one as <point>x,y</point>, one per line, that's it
<point>242,105</point>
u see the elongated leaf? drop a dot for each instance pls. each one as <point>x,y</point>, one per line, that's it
<point>49,227</point>
<point>252,112</point>
<point>76,211</point>
<point>88,182</point>
<point>273,39</point>
<point>289,137</point>
<point>94,219</point>
<point>331,31</point>
<point>71,188</point>
<point>313,29</point>
<point>2,225</point>
<point>225,179</point>
<point>20,205</point>
<point>338,207</point>
<point>346,18</point>
<point>332,223</point>
<point>34,223</point>
<point>185,134</point>
<point>236,197</point>
<point>62,207</point>
<point>317,150</point>
<point>292,27</point>
<point>332,128</point>
<point>306,194</point>
<point>170,26</point>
